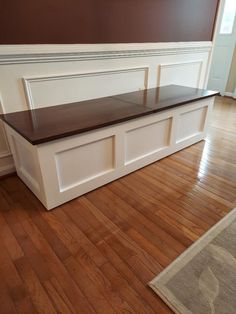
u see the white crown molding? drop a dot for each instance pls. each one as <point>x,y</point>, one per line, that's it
<point>14,54</point>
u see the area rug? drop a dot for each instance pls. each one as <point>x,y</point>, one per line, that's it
<point>202,280</point>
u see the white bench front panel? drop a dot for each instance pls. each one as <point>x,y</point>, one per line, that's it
<point>69,167</point>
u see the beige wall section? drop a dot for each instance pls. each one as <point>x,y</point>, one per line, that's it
<point>231,85</point>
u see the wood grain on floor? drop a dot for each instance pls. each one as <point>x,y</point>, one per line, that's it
<point>97,253</point>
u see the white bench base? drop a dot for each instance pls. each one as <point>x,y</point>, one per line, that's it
<point>61,170</point>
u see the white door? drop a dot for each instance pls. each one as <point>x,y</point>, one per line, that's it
<point>224,45</point>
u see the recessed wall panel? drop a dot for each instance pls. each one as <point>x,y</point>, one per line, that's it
<point>182,73</point>
<point>66,88</point>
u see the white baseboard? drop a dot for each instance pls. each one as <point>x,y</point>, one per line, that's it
<point>228,94</point>
<point>8,169</point>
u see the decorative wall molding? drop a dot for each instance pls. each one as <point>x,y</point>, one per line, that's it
<point>196,81</point>
<point>30,73</point>
<point>65,53</point>
<point>27,81</point>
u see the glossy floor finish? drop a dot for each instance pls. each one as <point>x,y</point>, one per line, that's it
<point>97,253</point>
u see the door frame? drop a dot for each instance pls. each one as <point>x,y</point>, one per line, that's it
<point>219,16</point>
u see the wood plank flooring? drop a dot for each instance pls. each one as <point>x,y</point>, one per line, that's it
<point>97,253</point>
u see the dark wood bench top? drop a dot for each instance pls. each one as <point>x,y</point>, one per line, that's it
<point>46,124</point>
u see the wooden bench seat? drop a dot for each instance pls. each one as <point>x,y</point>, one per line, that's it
<point>64,151</point>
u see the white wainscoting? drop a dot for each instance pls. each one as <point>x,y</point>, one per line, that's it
<point>60,89</point>
<point>182,73</point>
<point>137,145</point>
<point>33,76</point>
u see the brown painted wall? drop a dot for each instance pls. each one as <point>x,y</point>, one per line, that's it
<point>105,21</point>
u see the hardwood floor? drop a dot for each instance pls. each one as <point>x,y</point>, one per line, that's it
<point>97,253</point>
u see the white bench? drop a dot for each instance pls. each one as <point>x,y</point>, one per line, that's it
<point>131,131</point>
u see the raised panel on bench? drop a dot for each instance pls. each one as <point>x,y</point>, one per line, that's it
<point>191,124</point>
<point>83,163</point>
<point>148,139</point>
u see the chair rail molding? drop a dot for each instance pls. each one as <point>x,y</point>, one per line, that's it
<point>12,54</point>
